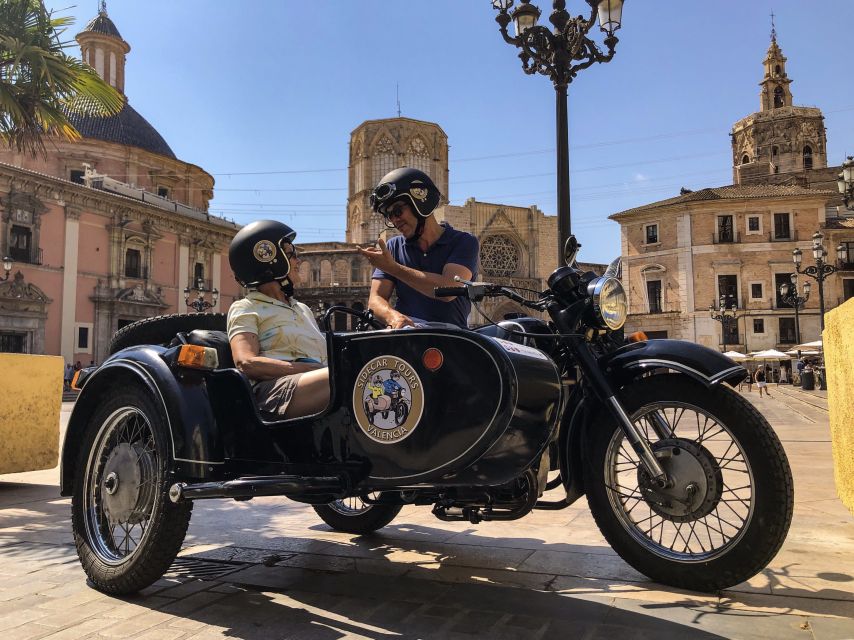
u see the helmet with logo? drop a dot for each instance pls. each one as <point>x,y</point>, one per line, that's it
<point>409,185</point>
<point>394,374</point>
<point>378,379</point>
<point>257,253</point>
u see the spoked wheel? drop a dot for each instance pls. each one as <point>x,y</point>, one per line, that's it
<point>126,530</point>
<point>401,412</point>
<point>354,515</point>
<point>727,507</point>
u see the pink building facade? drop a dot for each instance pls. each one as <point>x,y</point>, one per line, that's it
<point>104,231</point>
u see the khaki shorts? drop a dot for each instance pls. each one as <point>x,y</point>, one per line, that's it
<point>274,396</point>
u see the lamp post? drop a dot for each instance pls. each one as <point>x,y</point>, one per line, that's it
<point>725,315</point>
<point>7,268</point>
<point>200,304</point>
<point>560,54</point>
<point>789,295</point>
<point>821,270</point>
<point>845,183</point>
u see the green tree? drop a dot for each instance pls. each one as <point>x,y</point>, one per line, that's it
<point>40,85</point>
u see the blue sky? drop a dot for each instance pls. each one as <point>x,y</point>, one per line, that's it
<point>277,86</point>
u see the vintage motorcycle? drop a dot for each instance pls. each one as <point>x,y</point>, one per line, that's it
<point>685,479</point>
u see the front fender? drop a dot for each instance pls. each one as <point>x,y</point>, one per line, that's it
<point>701,363</point>
<point>196,446</point>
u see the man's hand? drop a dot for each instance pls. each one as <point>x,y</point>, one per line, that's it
<point>379,257</point>
<point>398,321</point>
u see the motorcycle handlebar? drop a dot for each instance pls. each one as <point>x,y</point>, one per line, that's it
<point>448,292</point>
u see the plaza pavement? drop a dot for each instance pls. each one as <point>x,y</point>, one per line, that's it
<point>270,569</point>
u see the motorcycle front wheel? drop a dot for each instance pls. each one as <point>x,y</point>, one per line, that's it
<point>728,505</point>
<point>126,530</point>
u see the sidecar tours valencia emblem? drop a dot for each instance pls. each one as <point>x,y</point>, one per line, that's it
<point>264,251</point>
<point>388,399</point>
<point>419,193</point>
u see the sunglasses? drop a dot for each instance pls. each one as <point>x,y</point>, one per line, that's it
<point>395,211</point>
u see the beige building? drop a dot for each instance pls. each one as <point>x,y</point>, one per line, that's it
<point>680,255</point>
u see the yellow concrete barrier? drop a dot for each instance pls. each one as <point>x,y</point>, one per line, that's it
<point>838,357</point>
<point>30,402</point>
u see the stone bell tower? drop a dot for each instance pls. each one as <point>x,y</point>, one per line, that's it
<point>780,142</point>
<point>380,146</point>
<point>104,49</point>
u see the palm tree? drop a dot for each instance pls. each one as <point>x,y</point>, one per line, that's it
<point>39,83</point>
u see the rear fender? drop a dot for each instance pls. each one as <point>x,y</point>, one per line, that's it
<point>705,365</point>
<point>195,444</point>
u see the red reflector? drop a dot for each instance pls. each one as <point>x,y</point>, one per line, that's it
<point>432,359</point>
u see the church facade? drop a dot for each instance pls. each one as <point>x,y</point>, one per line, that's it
<point>685,253</point>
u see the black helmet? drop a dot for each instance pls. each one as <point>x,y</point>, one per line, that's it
<point>406,184</point>
<point>256,254</point>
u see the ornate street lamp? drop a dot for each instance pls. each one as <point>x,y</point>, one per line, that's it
<point>200,304</point>
<point>789,295</point>
<point>821,270</point>
<point>7,267</point>
<point>725,315</point>
<point>845,183</point>
<point>560,54</point>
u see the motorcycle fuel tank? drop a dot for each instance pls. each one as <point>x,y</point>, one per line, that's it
<point>444,406</point>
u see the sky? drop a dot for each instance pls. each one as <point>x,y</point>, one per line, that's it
<point>263,94</point>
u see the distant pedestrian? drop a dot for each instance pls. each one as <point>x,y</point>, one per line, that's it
<point>69,372</point>
<point>759,377</point>
<point>784,375</point>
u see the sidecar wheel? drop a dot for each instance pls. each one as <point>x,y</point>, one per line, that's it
<point>126,530</point>
<point>353,515</point>
<point>401,413</point>
<point>729,507</point>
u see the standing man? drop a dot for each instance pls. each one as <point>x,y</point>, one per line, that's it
<point>427,255</point>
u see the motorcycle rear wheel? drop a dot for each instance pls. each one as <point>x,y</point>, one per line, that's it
<point>354,515</point>
<point>730,508</point>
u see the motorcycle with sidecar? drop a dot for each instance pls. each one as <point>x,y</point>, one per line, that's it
<point>685,479</point>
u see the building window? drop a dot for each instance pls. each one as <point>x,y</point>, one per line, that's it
<point>652,234</point>
<point>758,325</point>
<point>83,337</point>
<point>13,343</point>
<point>807,157</point>
<point>848,257</point>
<point>728,289</point>
<point>787,330</point>
<point>20,244</point>
<point>753,224</point>
<point>779,97</point>
<point>755,290</point>
<point>774,152</point>
<point>745,159</point>
<point>780,279</point>
<point>76,175</point>
<point>355,272</point>
<point>656,335</point>
<point>653,291</point>
<point>133,263</point>
<point>782,229</point>
<point>418,157</point>
<point>725,230</point>
<point>198,273</point>
<point>384,159</point>
<point>847,288</point>
<point>499,256</point>
<point>163,192</point>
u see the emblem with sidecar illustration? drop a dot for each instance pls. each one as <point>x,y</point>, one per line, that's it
<point>388,399</point>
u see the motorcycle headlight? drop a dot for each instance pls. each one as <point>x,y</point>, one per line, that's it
<point>609,302</point>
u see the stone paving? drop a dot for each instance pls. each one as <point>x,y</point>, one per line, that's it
<point>270,569</point>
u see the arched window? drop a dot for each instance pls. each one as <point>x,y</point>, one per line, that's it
<point>384,159</point>
<point>358,167</point>
<point>418,157</point>
<point>745,159</point>
<point>779,97</point>
<point>339,273</point>
<point>807,157</point>
<point>774,152</point>
<point>499,256</point>
<point>777,70</point>
<point>304,272</point>
<point>355,272</point>
<point>133,263</point>
<point>325,272</point>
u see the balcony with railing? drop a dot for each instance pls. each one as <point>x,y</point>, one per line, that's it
<point>27,255</point>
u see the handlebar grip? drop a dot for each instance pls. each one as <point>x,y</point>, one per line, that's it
<point>447,292</point>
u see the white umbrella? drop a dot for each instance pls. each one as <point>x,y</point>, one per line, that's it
<point>735,355</point>
<point>794,353</point>
<point>815,344</point>
<point>769,354</point>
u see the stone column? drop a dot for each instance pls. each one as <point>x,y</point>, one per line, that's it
<point>216,278</point>
<point>183,272</point>
<point>69,283</point>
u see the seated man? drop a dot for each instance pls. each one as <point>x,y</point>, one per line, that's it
<point>426,256</point>
<point>274,339</point>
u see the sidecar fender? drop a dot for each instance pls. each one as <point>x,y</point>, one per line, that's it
<point>195,445</point>
<point>706,365</point>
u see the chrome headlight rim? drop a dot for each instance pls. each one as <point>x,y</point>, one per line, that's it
<point>608,286</point>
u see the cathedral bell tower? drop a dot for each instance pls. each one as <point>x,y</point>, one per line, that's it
<point>781,142</point>
<point>104,49</point>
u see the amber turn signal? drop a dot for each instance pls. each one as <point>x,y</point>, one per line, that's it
<point>637,336</point>
<point>195,357</point>
<point>432,359</point>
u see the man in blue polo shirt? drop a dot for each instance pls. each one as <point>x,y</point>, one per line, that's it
<point>427,255</point>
